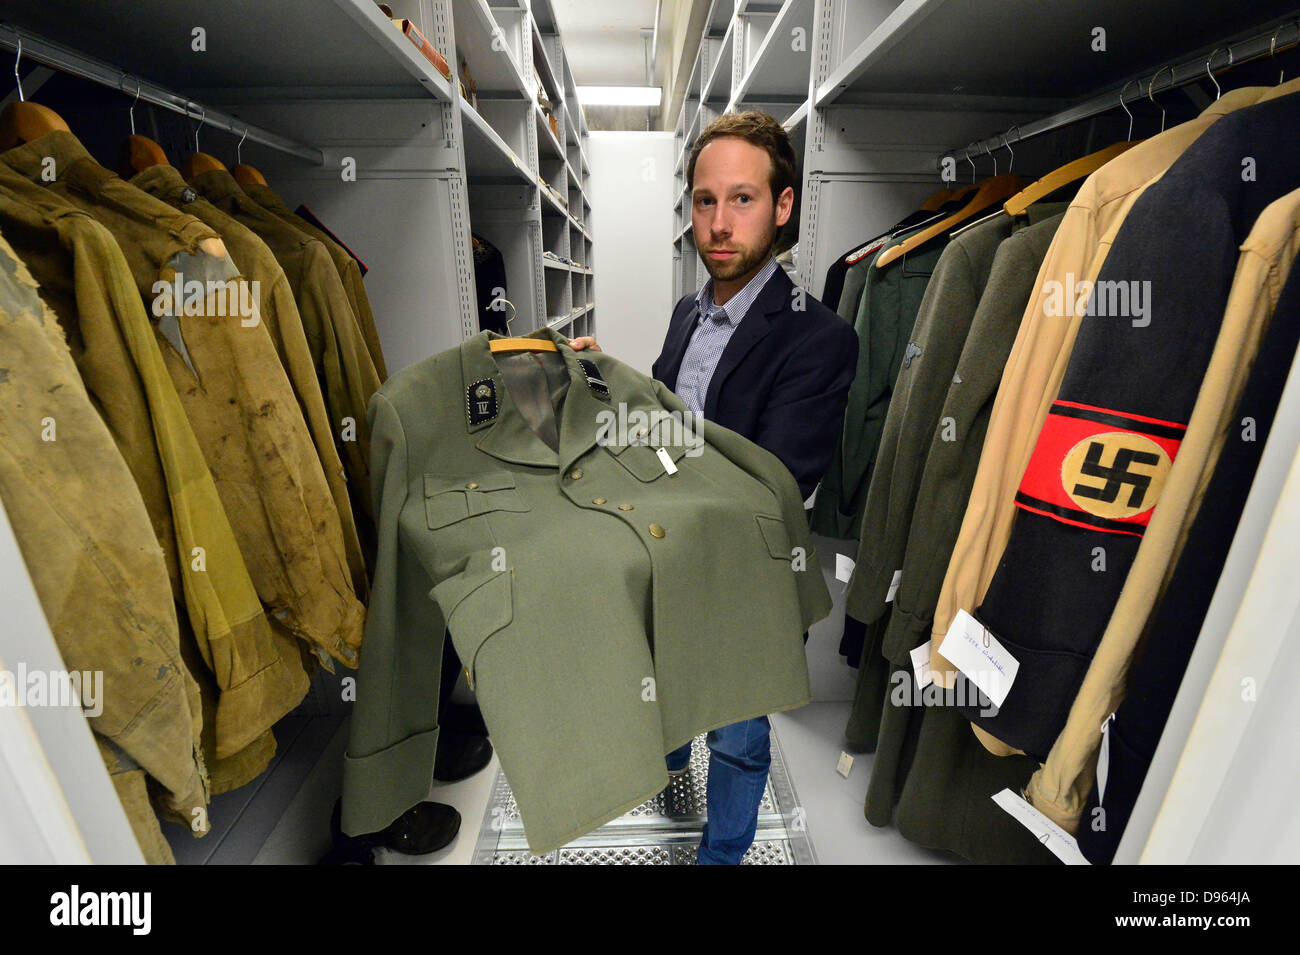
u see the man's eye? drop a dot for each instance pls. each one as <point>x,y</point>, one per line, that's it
<point>743,198</point>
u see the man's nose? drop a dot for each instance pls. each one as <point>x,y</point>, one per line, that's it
<point>720,221</point>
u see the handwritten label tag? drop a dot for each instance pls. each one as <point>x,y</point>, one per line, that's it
<point>844,567</point>
<point>1056,839</point>
<point>921,666</point>
<point>1103,758</point>
<point>666,460</point>
<point>893,586</point>
<point>845,765</point>
<point>970,647</point>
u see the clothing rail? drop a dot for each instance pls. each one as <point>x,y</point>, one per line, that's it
<point>70,61</point>
<point>1263,44</point>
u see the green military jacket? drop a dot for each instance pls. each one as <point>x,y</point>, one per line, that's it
<point>886,312</point>
<point>606,610</point>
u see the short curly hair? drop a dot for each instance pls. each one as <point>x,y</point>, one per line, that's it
<point>761,129</point>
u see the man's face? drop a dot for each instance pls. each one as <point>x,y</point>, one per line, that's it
<point>732,213</point>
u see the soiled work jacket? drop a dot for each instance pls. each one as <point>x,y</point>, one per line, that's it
<point>279,313</point>
<point>90,550</point>
<point>606,610</point>
<point>348,269</point>
<point>235,394</point>
<point>347,375</point>
<point>87,284</point>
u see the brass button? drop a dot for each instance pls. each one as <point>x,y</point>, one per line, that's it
<point>656,530</point>
<point>472,484</point>
<point>625,507</point>
<point>575,473</point>
<point>597,500</point>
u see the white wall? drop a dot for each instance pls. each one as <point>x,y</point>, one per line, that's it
<point>632,197</point>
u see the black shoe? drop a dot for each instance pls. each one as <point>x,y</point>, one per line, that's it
<point>425,827</point>
<point>460,755</point>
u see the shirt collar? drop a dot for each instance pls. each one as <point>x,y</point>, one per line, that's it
<point>737,307</point>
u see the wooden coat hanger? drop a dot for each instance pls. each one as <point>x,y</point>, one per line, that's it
<point>994,189</point>
<point>521,344</point>
<point>197,163</point>
<point>245,175</point>
<point>1072,171</point>
<point>140,152</point>
<point>936,200</point>
<point>22,122</point>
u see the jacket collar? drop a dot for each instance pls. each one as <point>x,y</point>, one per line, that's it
<point>31,159</point>
<point>507,436</point>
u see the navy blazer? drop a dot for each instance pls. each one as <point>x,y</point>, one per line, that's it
<point>783,379</point>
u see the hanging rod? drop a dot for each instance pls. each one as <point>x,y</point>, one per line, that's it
<point>1264,44</point>
<point>70,61</point>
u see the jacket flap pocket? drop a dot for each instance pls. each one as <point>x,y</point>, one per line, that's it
<point>774,533</point>
<point>488,481</point>
<point>452,498</point>
<point>475,604</point>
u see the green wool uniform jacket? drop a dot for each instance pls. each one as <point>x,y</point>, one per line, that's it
<point>606,610</point>
<point>886,312</point>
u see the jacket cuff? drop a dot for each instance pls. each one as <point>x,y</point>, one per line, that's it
<point>380,787</point>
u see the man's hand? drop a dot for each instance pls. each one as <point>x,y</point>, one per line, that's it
<point>586,341</point>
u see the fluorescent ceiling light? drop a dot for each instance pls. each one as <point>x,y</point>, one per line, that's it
<point>620,95</point>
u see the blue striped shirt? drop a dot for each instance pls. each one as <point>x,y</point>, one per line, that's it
<point>714,326</point>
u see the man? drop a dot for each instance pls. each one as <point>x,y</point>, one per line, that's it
<point>757,354</point>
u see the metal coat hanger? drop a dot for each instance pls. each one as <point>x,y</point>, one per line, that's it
<point>1151,87</point>
<point>203,115</point>
<point>1124,106</point>
<point>130,113</point>
<point>1218,92</point>
<point>18,79</point>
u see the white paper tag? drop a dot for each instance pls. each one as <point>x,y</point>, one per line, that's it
<point>893,586</point>
<point>844,567</point>
<point>667,460</point>
<point>1056,839</point>
<point>921,666</point>
<point>1103,759</point>
<point>845,765</point>
<point>970,647</point>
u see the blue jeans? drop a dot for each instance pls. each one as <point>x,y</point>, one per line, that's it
<point>739,758</point>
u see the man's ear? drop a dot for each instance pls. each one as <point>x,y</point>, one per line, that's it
<point>784,205</point>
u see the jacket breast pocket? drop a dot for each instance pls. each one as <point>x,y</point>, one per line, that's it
<point>775,536</point>
<point>449,499</point>
<point>476,603</point>
<point>644,462</point>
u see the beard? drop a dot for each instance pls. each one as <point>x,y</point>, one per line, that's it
<point>747,258</point>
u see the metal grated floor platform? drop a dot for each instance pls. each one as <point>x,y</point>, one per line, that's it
<point>663,831</point>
